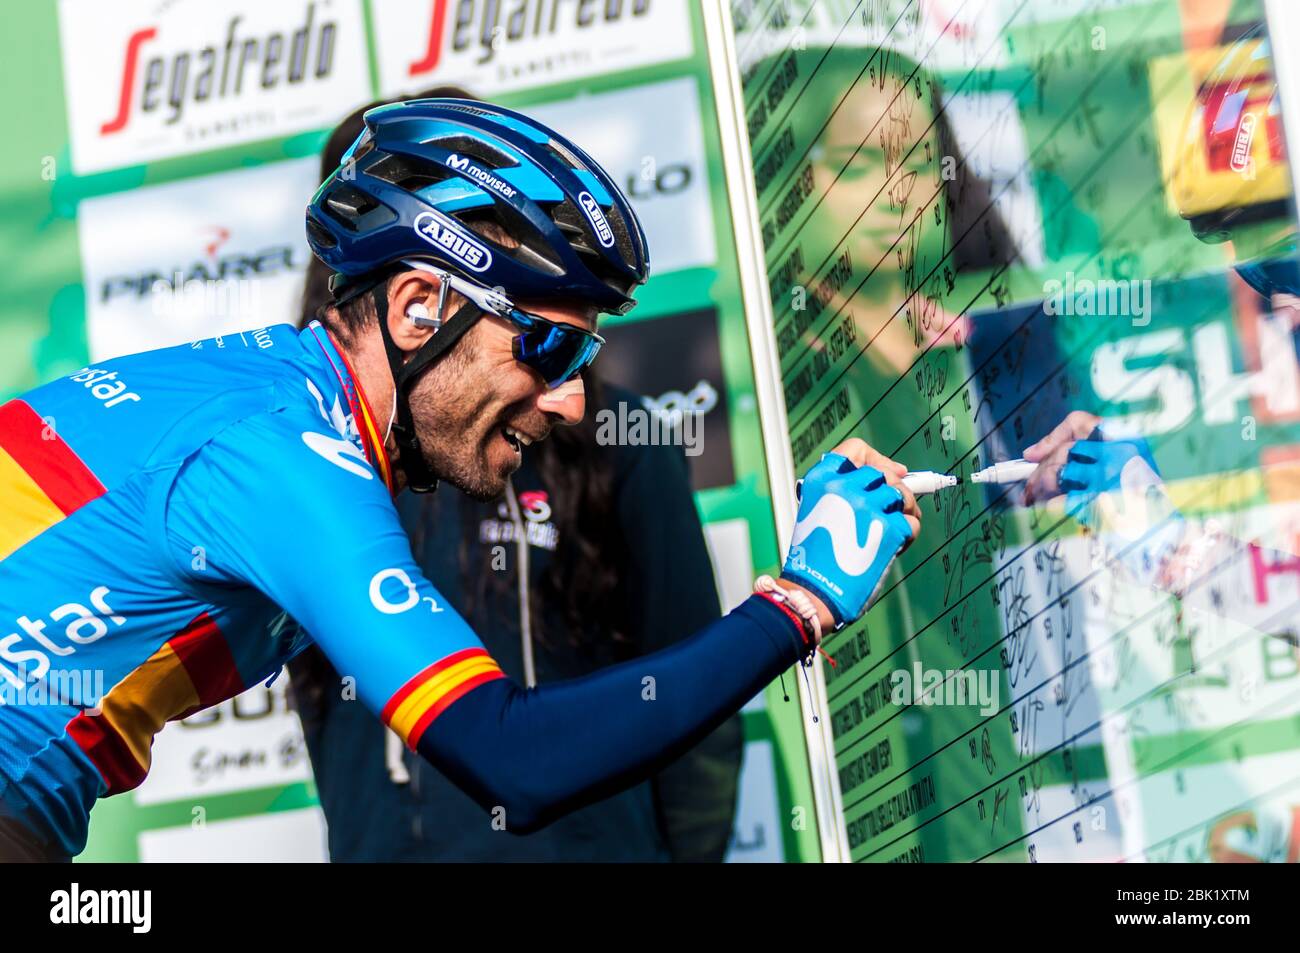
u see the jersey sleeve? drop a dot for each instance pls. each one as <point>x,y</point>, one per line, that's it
<point>297,513</point>
<point>302,517</point>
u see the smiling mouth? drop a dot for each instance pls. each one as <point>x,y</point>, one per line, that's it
<point>515,439</point>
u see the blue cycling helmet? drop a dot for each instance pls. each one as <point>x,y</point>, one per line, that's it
<point>426,172</point>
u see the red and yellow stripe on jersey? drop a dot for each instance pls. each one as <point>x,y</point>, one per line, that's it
<point>422,699</point>
<point>190,671</point>
<point>42,480</point>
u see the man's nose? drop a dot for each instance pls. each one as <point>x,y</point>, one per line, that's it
<point>568,401</point>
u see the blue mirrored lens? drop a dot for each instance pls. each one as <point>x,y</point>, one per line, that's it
<point>555,351</point>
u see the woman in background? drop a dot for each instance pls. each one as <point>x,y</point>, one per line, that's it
<point>557,578</point>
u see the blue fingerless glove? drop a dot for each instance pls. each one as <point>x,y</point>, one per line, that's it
<point>1097,465</point>
<point>1138,520</point>
<point>850,528</point>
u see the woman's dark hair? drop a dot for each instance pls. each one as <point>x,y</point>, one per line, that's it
<point>981,236</point>
<point>578,476</point>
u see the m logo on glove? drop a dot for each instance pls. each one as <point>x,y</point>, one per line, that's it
<point>835,514</point>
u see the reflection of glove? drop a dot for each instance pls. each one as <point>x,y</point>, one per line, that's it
<point>1268,840</point>
<point>850,528</point>
<point>1114,486</point>
<point>1097,466</point>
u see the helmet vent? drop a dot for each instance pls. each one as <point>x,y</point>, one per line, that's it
<point>574,226</point>
<point>320,235</point>
<point>408,172</point>
<point>363,149</point>
<point>513,234</point>
<point>571,224</point>
<point>558,149</point>
<point>472,110</point>
<point>355,210</point>
<point>622,237</point>
<point>477,149</point>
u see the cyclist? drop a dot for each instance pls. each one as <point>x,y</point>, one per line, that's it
<point>164,512</point>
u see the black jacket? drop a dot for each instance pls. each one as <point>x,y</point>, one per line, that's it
<point>385,803</point>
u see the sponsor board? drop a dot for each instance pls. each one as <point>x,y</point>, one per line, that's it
<point>250,741</point>
<point>756,834</point>
<point>490,47</point>
<point>650,140</point>
<point>147,80</point>
<point>199,258</point>
<point>280,837</point>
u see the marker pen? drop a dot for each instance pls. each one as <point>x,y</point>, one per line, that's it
<point>927,481</point>
<point>1009,471</point>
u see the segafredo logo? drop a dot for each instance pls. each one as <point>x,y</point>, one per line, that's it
<point>491,47</point>
<point>461,164</point>
<point>591,209</point>
<point>443,233</point>
<point>148,80</point>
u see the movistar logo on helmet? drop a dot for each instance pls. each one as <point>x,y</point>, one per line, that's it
<point>461,164</point>
<point>591,209</point>
<point>449,238</point>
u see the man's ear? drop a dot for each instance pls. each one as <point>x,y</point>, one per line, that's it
<point>412,308</point>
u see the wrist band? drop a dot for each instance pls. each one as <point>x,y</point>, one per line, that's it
<point>796,600</point>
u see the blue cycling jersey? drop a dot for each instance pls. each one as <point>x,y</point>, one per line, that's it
<point>162,512</point>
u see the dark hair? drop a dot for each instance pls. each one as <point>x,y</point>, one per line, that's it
<point>584,572</point>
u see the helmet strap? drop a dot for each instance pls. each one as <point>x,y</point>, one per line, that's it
<point>420,478</point>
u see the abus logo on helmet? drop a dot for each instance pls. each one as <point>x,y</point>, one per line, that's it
<point>440,231</point>
<point>591,209</point>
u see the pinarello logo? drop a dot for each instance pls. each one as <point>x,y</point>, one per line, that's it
<point>219,263</point>
<point>219,237</point>
<point>445,235</point>
<point>591,208</point>
<point>158,80</point>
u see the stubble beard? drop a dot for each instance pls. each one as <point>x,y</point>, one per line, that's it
<point>452,403</point>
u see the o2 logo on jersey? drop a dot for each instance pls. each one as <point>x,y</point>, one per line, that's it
<point>591,208</point>
<point>401,596</point>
